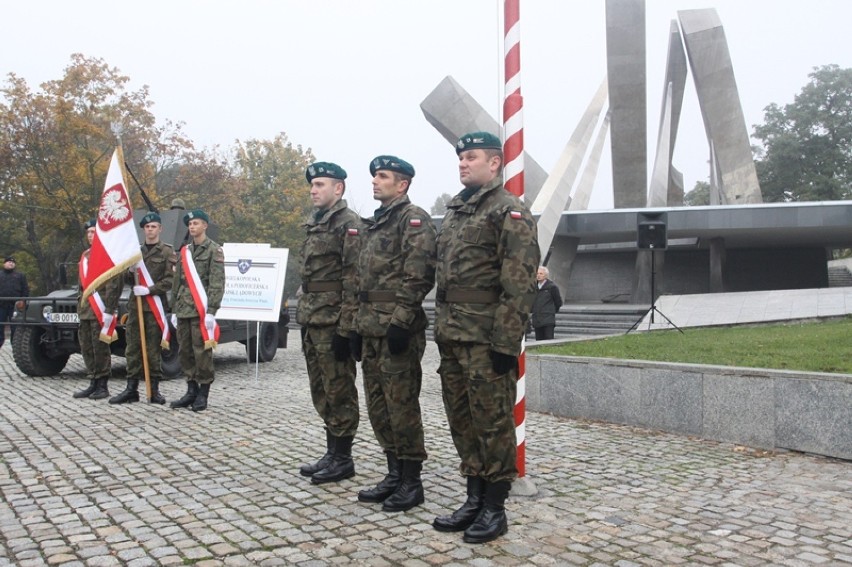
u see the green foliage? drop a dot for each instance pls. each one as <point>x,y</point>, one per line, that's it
<point>808,346</point>
<point>440,206</point>
<point>699,196</point>
<point>806,152</point>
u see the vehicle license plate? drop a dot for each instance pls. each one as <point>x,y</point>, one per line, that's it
<point>62,318</point>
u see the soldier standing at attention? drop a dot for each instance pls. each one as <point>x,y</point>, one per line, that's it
<point>97,325</point>
<point>396,270</point>
<point>198,290</point>
<point>326,311</point>
<point>487,258</point>
<point>151,284</point>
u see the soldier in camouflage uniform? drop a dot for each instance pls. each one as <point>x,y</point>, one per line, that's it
<point>396,270</point>
<point>96,353</point>
<point>328,264</point>
<point>160,259</point>
<point>196,352</point>
<point>487,259</point>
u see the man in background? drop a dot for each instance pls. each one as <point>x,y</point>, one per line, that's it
<point>12,284</point>
<point>547,303</point>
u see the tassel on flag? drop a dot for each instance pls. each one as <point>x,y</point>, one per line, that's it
<point>116,246</point>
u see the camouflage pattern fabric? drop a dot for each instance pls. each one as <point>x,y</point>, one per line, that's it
<point>332,382</point>
<point>96,353</point>
<point>196,362</point>
<point>487,243</point>
<point>480,411</point>
<point>160,260</point>
<point>330,254</point>
<point>209,260</point>
<point>392,389</point>
<point>133,352</point>
<point>398,255</point>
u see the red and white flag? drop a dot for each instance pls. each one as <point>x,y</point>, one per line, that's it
<point>116,245</point>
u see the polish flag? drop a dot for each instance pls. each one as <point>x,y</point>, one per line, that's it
<point>116,246</point>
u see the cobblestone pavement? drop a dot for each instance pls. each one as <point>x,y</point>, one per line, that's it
<point>86,483</point>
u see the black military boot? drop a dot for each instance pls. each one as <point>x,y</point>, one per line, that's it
<point>410,491</point>
<point>491,522</point>
<point>129,395</point>
<point>156,396</point>
<point>86,392</point>
<point>387,485</point>
<point>311,470</point>
<point>341,465</point>
<point>188,397</point>
<point>200,402</point>
<point>462,518</point>
<point>101,390</point>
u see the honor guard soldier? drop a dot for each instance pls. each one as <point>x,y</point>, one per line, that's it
<point>487,258</point>
<point>326,310</point>
<point>198,290</point>
<point>152,280</point>
<point>396,270</point>
<point>97,325</point>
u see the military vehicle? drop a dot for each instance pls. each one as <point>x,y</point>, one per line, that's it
<point>46,327</point>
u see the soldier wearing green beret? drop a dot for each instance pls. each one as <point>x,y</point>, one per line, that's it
<point>200,268</point>
<point>159,259</point>
<point>487,259</point>
<point>97,313</point>
<point>396,270</point>
<point>326,311</point>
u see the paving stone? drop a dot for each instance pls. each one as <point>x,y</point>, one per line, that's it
<point>86,483</point>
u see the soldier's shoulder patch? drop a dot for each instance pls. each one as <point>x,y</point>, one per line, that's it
<point>415,222</point>
<point>352,231</point>
<point>166,244</point>
<point>220,255</point>
<point>516,215</point>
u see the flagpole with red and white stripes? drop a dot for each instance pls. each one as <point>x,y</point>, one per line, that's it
<point>513,176</point>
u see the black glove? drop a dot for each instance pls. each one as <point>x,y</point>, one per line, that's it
<point>397,339</point>
<point>356,343</point>
<point>340,346</point>
<point>503,363</point>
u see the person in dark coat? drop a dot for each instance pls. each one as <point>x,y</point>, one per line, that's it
<point>12,284</point>
<point>547,302</point>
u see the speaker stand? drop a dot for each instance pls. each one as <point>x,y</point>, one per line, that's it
<point>653,309</point>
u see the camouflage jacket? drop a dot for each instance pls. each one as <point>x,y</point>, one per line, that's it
<point>487,244</point>
<point>397,257</point>
<point>160,261</point>
<point>110,292</point>
<point>329,258</point>
<point>209,260</point>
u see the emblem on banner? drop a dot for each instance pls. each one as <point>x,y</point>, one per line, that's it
<point>243,265</point>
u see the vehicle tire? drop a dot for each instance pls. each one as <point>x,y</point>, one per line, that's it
<point>170,359</point>
<point>268,343</point>
<point>32,357</point>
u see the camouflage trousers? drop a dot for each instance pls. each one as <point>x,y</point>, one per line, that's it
<point>196,362</point>
<point>392,388</point>
<point>133,352</point>
<point>332,382</point>
<point>480,410</point>
<point>96,353</point>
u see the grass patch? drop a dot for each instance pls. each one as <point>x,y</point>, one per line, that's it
<point>813,346</point>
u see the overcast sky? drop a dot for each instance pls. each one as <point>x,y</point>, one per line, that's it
<point>346,77</point>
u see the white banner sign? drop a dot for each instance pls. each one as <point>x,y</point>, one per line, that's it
<point>254,282</point>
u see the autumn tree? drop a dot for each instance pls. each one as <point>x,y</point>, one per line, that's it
<point>274,197</point>
<point>806,146</point>
<point>699,196</point>
<point>440,206</point>
<point>55,150</point>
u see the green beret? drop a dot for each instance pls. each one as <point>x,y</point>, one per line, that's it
<point>478,140</point>
<point>391,163</point>
<point>195,214</point>
<point>325,169</point>
<point>90,224</point>
<point>150,217</point>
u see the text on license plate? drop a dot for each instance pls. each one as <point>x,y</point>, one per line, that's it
<point>62,318</point>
